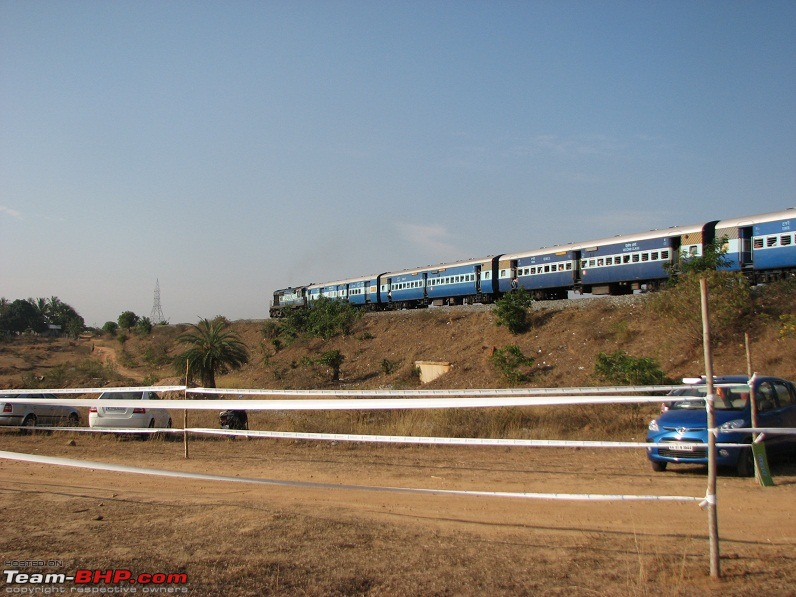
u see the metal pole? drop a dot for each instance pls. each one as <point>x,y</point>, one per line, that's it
<point>748,354</point>
<point>710,497</point>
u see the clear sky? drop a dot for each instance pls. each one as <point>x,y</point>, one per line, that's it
<point>228,149</point>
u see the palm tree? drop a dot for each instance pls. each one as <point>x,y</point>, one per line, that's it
<point>213,348</point>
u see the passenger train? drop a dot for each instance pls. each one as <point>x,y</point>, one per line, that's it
<point>762,246</point>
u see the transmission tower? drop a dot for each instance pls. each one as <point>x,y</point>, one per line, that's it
<point>157,312</point>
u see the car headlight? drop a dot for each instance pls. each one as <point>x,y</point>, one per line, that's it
<point>653,426</point>
<point>734,424</point>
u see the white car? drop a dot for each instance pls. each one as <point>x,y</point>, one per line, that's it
<point>30,415</point>
<point>148,415</point>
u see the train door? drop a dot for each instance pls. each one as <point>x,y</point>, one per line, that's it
<point>515,280</point>
<point>745,249</point>
<point>386,290</point>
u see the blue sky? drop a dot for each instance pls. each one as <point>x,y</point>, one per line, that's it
<point>228,149</point>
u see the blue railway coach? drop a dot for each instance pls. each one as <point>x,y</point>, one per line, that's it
<point>623,264</point>
<point>761,246</point>
<point>545,273</point>
<point>463,282</point>
<point>357,291</point>
<point>404,289</point>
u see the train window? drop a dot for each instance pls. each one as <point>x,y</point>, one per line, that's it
<point>600,262</point>
<point>664,254</point>
<point>569,266</point>
<point>692,251</point>
<point>771,241</point>
<point>654,256</point>
<point>635,257</point>
<point>645,256</point>
<point>625,258</point>
<point>758,243</point>
<point>784,240</point>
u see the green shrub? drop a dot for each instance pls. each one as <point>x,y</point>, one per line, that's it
<point>511,310</point>
<point>729,300</point>
<point>270,329</point>
<point>388,366</point>
<point>509,360</point>
<point>787,326</point>
<point>334,360</point>
<point>326,318</point>
<point>620,369</point>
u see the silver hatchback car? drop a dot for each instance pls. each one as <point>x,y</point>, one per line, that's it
<point>16,414</point>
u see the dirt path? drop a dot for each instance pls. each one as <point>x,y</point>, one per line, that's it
<point>254,539</point>
<point>107,355</point>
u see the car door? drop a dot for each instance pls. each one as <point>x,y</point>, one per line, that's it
<point>44,412</point>
<point>775,408</point>
<point>786,402</point>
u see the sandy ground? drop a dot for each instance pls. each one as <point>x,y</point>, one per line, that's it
<point>233,538</point>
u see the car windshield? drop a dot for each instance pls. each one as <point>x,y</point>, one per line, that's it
<point>735,398</point>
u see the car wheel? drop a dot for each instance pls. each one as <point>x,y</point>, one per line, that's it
<point>746,463</point>
<point>28,424</point>
<point>168,423</point>
<point>73,420</point>
<point>658,467</point>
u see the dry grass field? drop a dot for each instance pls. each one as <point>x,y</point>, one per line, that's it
<point>313,533</point>
<point>241,538</point>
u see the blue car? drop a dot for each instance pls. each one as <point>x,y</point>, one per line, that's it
<point>683,426</point>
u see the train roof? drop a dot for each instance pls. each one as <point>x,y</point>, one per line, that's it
<point>345,281</point>
<point>773,216</point>
<point>450,264</point>
<point>622,238</point>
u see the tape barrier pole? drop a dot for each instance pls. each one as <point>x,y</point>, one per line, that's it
<point>103,466</point>
<point>713,528</point>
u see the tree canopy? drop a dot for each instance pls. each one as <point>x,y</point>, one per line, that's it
<point>36,314</point>
<point>212,349</point>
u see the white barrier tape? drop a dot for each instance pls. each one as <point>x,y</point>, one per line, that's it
<point>379,393</point>
<point>95,390</point>
<point>770,430</point>
<point>347,404</point>
<point>453,441</point>
<point>398,439</point>
<point>442,393</point>
<point>710,500</point>
<point>57,461</point>
<point>135,430</point>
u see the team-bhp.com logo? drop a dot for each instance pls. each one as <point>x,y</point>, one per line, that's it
<point>116,580</point>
